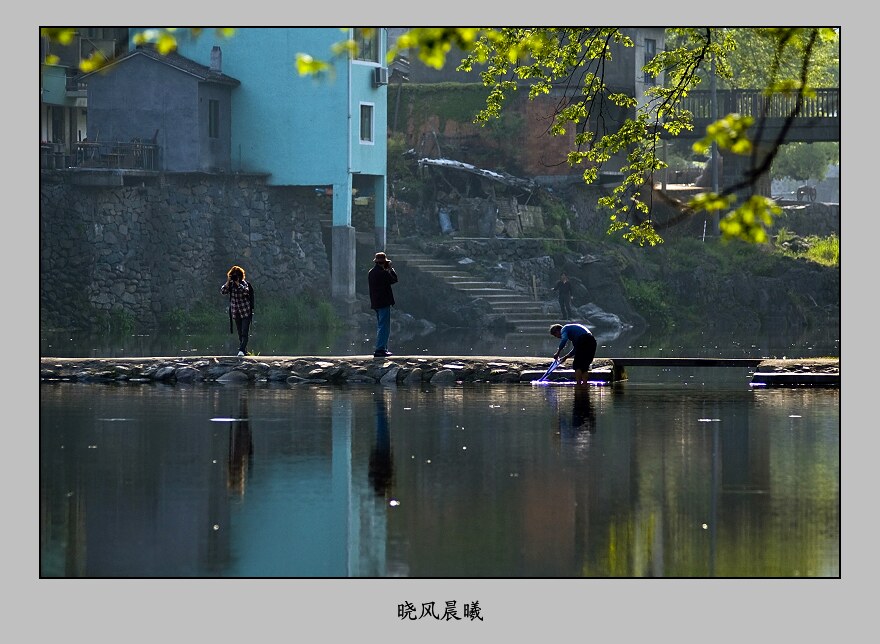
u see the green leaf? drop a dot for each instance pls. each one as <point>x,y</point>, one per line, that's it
<point>728,133</point>
<point>710,202</point>
<point>750,221</point>
<point>308,66</point>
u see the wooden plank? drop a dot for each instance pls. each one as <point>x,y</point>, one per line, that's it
<point>687,362</point>
<point>788,379</point>
<point>566,375</point>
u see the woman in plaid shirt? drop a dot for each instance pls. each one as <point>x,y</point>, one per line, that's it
<point>239,304</point>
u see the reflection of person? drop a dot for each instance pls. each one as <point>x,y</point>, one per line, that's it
<point>239,305</point>
<point>583,346</point>
<point>381,277</point>
<point>574,424</point>
<point>381,467</point>
<point>563,288</point>
<point>241,449</point>
<point>582,416</point>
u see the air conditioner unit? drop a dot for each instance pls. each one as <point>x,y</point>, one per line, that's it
<point>380,76</point>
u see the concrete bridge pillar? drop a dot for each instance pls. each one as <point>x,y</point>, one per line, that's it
<point>342,255</point>
<point>342,264</point>
<point>737,168</point>
<point>380,211</point>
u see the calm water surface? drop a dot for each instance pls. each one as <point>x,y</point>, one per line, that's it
<point>689,473</point>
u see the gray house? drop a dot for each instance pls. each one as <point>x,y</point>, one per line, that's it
<point>172,102</point>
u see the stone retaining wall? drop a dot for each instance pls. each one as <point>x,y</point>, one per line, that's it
<point>145,251</point>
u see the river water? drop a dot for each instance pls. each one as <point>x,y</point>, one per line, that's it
<point>684,473</point>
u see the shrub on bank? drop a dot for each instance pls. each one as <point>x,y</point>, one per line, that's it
<point>821,250</point>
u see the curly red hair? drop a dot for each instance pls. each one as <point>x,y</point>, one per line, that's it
<point>235,269</point>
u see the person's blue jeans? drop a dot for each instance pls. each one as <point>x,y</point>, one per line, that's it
<point>383,328</point>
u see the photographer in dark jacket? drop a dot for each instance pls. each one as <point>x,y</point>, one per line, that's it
<point>381,277</point>
<point>563,288</point>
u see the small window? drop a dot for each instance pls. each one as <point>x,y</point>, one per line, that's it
<point>650,52</point>
<point>366,123</point>
<point>367,40</point>
<point>213,119</point>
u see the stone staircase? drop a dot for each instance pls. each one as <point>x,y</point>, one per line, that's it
<point>525,315</point>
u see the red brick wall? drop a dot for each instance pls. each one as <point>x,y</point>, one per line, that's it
<point>543,153</point>
<point>525,147</point>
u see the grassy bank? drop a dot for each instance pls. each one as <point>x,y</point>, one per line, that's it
<point>304,311</point>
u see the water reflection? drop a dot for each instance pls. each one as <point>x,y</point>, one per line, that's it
<point>381,469</point>
<point>669,478</point>
<point>241,448</point>
<point>582,416</point>
<point>575,417</point>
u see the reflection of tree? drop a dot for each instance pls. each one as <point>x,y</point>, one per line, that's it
<point>241,448</point>
<point>381,469</point>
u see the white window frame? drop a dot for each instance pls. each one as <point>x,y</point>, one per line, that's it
<point>372,133</point>
<point>379,53</point>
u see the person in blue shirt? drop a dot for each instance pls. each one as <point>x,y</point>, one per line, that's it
<point>583,346</point>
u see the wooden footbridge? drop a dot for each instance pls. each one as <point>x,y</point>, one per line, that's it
<point>812,372</point>
<point>817,118</point>
<point>808,119</point>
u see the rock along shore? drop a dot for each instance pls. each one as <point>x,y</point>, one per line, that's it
<point>405,370</point>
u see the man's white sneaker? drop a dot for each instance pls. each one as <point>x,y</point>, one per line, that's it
<point>240,354</point>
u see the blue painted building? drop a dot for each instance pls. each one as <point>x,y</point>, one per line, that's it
<point>327,131</point>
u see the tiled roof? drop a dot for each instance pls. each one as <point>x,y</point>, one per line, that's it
<point>176,61</point>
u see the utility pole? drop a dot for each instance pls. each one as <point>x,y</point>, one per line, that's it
<point>715,178</point>
<point>714,118</point>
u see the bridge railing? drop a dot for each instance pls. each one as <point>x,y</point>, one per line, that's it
<point>753,102</point>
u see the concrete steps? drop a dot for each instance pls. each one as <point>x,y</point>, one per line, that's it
<point>521,311</point>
